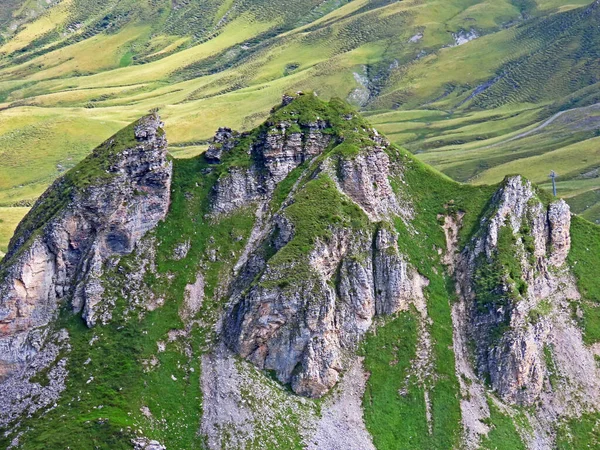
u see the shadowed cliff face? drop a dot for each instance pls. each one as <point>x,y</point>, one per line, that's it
<point>282,249</point>
<point>100,210</point>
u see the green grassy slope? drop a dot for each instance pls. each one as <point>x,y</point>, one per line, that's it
<point>72,72</point>
<point>9,219</point>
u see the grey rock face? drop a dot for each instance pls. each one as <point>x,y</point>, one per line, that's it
<point>559,218</point>
<point>300,319</point>
<point>239,188</point>
<point>303,328</point>
<point>147,444</point>
<point>365,180</point>
<point>391,274</point>
<point>37,385</point>
<point>64,257</point>
<point>224,140</point>
<point>194,296</point>
<point>509,343</point>
<point>277,152</point>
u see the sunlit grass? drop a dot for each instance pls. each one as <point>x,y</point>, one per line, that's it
<point>9,219</point>
<point>82,86</point>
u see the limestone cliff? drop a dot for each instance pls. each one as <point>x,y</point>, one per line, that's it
<point>301,315</point>
<point>512,268</point>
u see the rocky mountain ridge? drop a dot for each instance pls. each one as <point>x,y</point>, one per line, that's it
<point>83,227</point>
<point>303,251</point>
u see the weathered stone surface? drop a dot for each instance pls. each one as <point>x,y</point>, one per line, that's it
<point>509,343</point>
<point>365,179</point>
<point>37,385</point>
<point>340,425</point>
<point>302,327</point>
<point>559,218</point>
<point>239,188</point>
<point>302,330</point>
<point>276,153</point>
<point>147,444</point>
<point>194,296</point>
<point>391,274</point>
<point>64,257</point>
<point>224,140</point>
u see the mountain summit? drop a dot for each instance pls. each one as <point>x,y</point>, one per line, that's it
<point>303,285</point>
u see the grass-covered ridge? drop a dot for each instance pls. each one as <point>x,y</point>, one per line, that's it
<point>584,259</point>
<point>9,219</point>
<point>106,412</point>
<point>92,171</point>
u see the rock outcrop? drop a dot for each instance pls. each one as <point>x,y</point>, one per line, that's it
<point>302,317</point>
<point>303,328</point>
<point>98,211</point>
<point>278,150</point>
<point>365,179</point>
<point>39,384</point>
<point>513,267</point>
<point>225,139</point>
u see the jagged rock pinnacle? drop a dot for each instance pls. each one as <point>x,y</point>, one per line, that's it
<point>99,209</point>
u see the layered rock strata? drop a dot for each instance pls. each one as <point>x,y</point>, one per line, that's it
<point>301,327</point>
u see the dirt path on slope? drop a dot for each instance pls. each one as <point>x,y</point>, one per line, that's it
<point>530,132</point>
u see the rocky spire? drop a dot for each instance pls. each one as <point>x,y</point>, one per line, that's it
<point>101,208</point>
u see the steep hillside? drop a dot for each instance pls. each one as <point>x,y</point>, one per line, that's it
<point>458,82</point>
<point>548,61</point>
<point>311,285</point>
